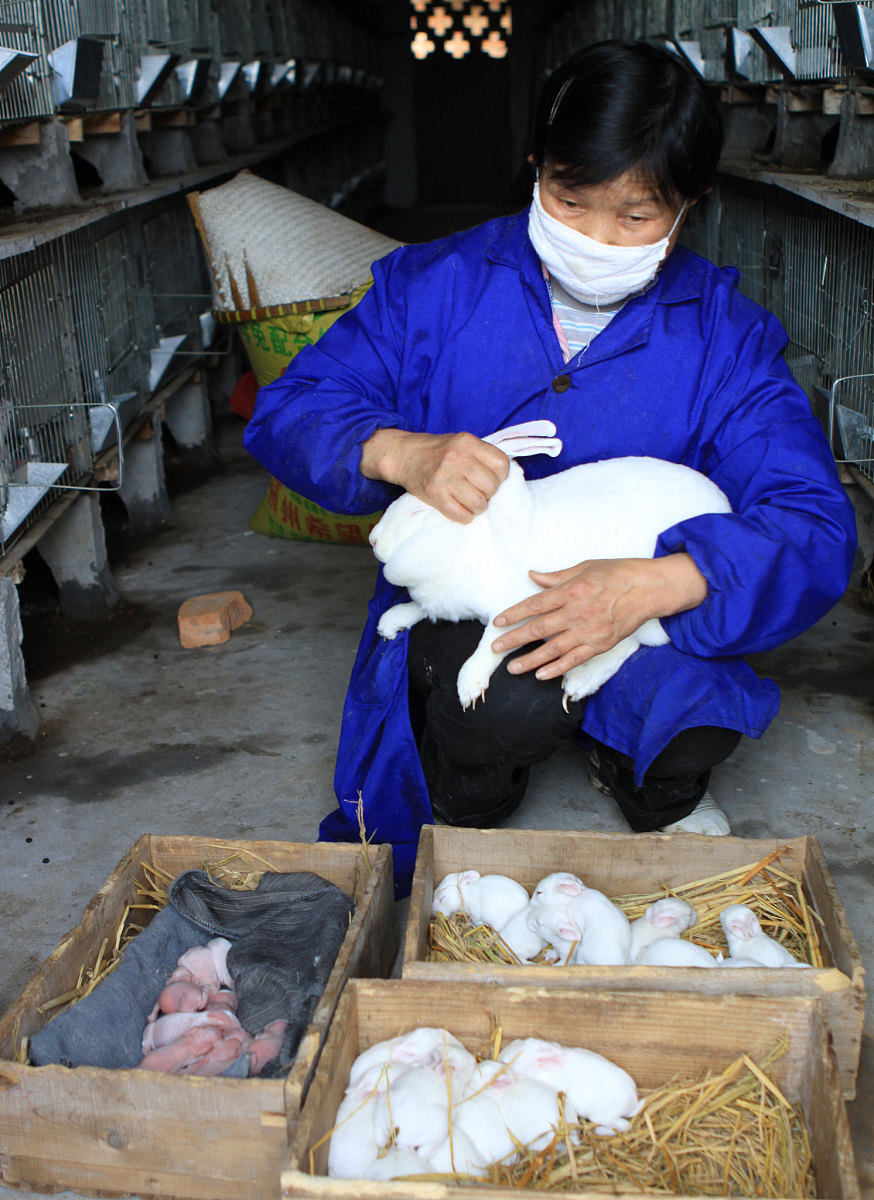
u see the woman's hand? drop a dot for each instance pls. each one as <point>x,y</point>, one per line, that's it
<point>586,609</point>
<point>456,473</point>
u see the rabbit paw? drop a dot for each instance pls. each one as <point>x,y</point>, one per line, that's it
<point>589,676</point>
<point>473,682</point>
<point>397,618</point>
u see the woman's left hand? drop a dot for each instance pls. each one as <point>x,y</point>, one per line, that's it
<point>586,609</point>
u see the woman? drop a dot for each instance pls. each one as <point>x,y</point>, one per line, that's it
<point>584,310</point>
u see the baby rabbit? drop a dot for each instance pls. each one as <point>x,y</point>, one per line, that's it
<point>615,508</point>
<point>675,952</point>
<point>598,926</point>
<point>666,918</point>
<point>747,940</point>
<point>521,933</point>
<point>598,1089</point>
<point>487,899</point>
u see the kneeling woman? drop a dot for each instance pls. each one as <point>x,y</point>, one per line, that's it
<point>583,310</point>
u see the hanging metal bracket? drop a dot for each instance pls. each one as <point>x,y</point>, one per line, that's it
<point>856,429</point>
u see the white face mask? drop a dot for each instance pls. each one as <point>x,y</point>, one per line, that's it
<point>591,271</point>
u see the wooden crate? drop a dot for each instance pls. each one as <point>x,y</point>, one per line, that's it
<point>619,864</point>
<point>653,1035</point>
<point>107,1132</point>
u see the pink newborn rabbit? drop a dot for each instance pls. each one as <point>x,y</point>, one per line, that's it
<point>179,1055</point>
<point>663,919</point>
<point>265,1046</point>
<point>487,899</point>
<point>746,939</point>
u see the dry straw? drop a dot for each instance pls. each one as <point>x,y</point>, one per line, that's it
<point>726,1133</point>
<point>776,897</point>
<point>731,1133</point>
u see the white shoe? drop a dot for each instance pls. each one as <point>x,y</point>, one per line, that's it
<point>707,817</point>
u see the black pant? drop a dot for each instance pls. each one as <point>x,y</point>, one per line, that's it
<point>476,761</point>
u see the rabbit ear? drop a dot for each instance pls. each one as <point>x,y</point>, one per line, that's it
<point>530,437</point>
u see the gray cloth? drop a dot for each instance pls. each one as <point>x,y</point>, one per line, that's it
<point>285,935</point>
<point>106,1028</point>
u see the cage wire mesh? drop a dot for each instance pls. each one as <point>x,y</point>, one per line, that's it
<point>175,270</point>
<point>814,269</point>
<point>44,424</point>
<point>30,93</point>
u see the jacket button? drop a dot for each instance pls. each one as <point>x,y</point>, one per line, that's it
<point>561,383</point>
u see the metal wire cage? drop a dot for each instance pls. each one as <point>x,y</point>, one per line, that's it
<point>44,423</point>
<point>176,273</point>
<point>30,94</point>
<point>814,269</point>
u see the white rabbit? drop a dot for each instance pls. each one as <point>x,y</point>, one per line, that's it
<point>487,899</point>
<point>606,932</point>
<point>556,926</point>
<point>599,1090</point>
<point>353,1149</point>
<point>531,1111</point>
<point>504,1109</point>
<point>663,919</point>
<point>458,1155</point>
<point>616,508</point>
<point>557,888</point>
<point>675,952</point>
<point>414,1111</point>
<point>394,1163</point>
<point>737,962</point>
<point>746,939</point>
<point>374,1068</point>
<point>521,936</point>
<point>598,926</point>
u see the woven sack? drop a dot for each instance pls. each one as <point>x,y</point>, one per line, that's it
<point>267,245</point>
<point>284,268</point>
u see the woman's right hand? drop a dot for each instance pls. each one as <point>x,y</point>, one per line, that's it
<point>456,473</point>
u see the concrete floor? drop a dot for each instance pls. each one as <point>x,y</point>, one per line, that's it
<point>236,741</point>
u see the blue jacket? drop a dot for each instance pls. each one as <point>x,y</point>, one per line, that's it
<point>458,335</point>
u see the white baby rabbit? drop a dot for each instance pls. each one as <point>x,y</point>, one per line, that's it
<point>458,1155</point>
<point>598,926</point>
<point>663,919</point>
<point>675,952</point>
<point>521,936</point>
<point>531,1110</point>
<point>353,1149</point>
<point>746,939</point>
<point>395,1163</point>
<point>616,508</point>
<point>555,925</point>
<point>487,899</point>
<point>598,1089</point>
<point>414,1110</point>
<point>505,1109</point>
<point>437,1049</point>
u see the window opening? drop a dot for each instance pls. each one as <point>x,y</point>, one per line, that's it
<point>460,27</point>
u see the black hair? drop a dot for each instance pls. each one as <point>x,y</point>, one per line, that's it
<point>622,106</point>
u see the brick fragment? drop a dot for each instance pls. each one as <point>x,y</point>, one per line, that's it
<point>208,620</point>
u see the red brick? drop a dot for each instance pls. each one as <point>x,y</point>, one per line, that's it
<point>208,620</point>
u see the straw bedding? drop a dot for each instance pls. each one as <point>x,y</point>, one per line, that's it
<point>776,897</point>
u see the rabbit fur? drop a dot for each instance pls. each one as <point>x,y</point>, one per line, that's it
<point>615,508</point>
